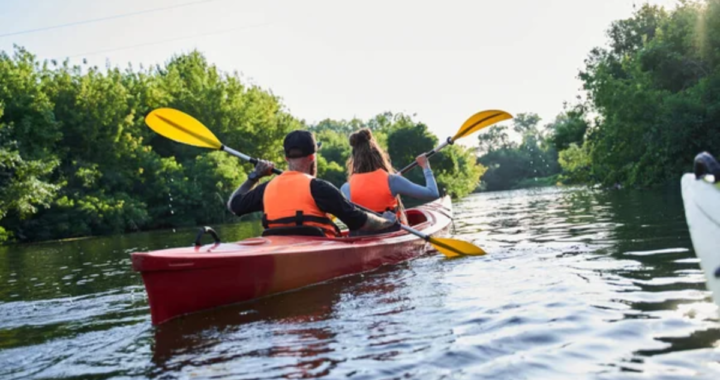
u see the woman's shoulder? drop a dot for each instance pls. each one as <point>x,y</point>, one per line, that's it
<point>394,177</point>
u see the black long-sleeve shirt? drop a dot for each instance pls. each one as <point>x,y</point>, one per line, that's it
<point>327,197</point>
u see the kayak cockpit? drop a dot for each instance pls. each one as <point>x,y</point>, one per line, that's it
<point>415,218</point>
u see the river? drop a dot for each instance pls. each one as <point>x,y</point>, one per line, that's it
<point>578,283</point>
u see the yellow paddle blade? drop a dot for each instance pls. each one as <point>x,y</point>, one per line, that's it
<point>181,127</point>
<point>479,121</point>
<point>454,248</point>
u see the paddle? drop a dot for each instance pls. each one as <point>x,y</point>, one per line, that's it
<point>183,128</point>
<point>473,124</point>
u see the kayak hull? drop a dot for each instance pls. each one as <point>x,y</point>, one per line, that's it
<point>702,212</point>
<point>184,280</point>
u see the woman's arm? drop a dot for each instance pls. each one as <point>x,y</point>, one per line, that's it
<point>402,186</point>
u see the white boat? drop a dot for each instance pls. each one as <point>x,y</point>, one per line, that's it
<point>701,197</point>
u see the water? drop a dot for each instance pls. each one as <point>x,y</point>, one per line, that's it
<point>578,284</point>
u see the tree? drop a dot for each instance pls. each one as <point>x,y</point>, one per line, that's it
<point>509,163</point>
<point>576,164</point>
<point>77,159</point>
<point>568,128</point>
<point>494,138</point>
<point>656,92</point>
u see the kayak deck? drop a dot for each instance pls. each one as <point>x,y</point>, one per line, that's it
<point>184,280</point>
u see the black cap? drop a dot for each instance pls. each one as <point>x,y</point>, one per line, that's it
<point>300,144</point>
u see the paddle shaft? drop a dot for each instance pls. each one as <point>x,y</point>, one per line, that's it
<point>245,157</point>
<point>473,124</point>
<point>254,161</point>
<point>428,155</point>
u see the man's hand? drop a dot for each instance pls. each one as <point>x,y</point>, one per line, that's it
<point>374,222</point>
<point>390,216</point>
<point>264,168</point>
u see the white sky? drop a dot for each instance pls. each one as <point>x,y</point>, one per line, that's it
<point>340,59</point>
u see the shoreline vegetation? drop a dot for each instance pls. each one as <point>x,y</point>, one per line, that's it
<point>76,158</point>
<point>651,103</point>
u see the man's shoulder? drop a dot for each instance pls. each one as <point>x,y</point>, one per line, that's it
<point>323,188</point>
<point>322,183</point>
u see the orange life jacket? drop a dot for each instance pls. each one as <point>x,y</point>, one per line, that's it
<point>288,202</point>
<point>372,190</point>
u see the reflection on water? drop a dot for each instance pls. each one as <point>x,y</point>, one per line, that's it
<point>578,284</point>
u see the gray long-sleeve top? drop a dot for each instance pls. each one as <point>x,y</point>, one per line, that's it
<point>400,185</point>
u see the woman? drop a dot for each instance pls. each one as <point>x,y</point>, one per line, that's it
<point>372,182</point>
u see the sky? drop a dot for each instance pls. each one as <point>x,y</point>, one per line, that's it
<point>439,60</point>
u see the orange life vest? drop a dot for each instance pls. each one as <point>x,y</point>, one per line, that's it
<point>288,202</point>
<point>372,190</point>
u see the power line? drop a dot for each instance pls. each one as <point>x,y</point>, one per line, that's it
<point>131,14</point>
<point>168,40</point>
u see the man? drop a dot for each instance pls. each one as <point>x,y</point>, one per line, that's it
<point>297,198</point>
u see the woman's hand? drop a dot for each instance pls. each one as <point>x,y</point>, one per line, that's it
<point>422,161</point>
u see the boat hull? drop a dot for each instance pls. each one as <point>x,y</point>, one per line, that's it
<point>702,212</point>
<point>184,280</point>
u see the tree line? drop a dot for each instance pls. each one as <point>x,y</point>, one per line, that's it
<point>652,103</point>
<point>77,159</point>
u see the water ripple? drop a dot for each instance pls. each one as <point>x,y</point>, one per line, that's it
<point>577,284</point>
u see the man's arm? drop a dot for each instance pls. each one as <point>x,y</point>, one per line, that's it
<point>246,198</point>
<point>375,223</point>
<point>240,191</point>
<point>330,200</point>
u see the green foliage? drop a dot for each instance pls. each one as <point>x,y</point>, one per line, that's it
<point>493,139</point>
<point>656,92</point>
<point>77,159</point>
<point>335,149</point>
<point>24,183</point>
<point>331,171</point>
<point>654,97</point>
<point>334,153</point>
<point>407,141</point>
<point>27,116</point>
<point>576,164</point>
<point>23,187</point>
<point>569,128</point>
<point>457,171</point>
<point>509,163</point>
<point>4,235</point>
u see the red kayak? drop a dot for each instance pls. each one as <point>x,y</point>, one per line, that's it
<point>185,280</point>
